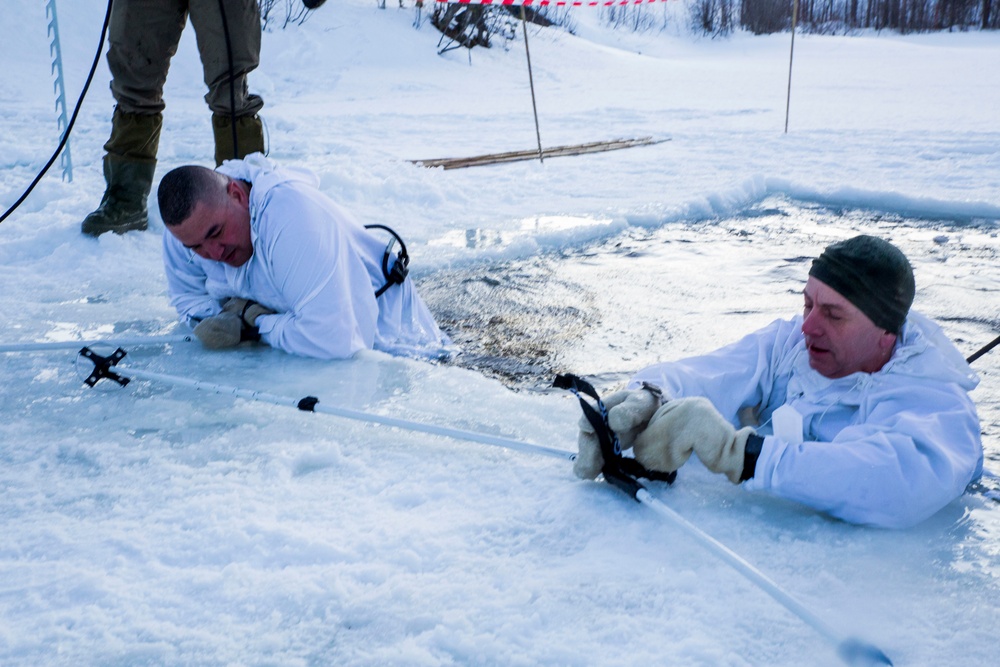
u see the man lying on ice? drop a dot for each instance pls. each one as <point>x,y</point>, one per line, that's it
<point>256,251</point>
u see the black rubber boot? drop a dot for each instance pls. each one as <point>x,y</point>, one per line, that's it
<point>123,207</point>
<point>128,171</point>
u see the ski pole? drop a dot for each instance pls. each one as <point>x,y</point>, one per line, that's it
<point>103,365</point>
<point>983,350</point>
<point>852,651</point>
<point>116,342</point>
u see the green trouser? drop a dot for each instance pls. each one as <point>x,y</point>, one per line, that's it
<point>143,37</point>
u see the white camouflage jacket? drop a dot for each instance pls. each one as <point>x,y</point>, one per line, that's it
<point>313,264</point>
<point>886,449</point>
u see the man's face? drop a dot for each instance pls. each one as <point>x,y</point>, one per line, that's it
<point>219,231</point>
<point>840,338</point>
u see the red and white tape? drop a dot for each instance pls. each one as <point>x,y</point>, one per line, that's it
<point>528,3</point>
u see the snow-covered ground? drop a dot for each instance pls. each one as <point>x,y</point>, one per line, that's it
<point>159,525</point>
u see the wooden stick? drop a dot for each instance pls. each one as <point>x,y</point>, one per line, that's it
<point>557,151</point>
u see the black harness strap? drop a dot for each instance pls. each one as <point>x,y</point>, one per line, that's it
<point>397,272</point>
<point>619,471</point>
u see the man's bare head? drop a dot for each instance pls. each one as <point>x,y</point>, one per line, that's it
<point>186,186</point>
<point>209,213</point>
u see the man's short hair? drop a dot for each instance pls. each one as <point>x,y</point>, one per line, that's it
<point>872,274</point>
<point>182,188</point>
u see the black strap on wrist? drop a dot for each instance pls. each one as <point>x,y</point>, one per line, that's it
<point>249,334</point>
<point>243,313</point>
<point>751,452</point>
<point>249,331</point>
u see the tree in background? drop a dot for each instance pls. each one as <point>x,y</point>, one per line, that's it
<point>716,17</point>
<point>760,17</point>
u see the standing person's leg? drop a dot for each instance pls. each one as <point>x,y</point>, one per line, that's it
<point>142,37</point>
<point>239,35</point>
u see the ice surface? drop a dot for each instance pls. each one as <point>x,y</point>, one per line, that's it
<point>160,525</point>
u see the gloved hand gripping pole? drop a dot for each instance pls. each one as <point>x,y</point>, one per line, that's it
<point>622,472</point>
<point>619,471</point>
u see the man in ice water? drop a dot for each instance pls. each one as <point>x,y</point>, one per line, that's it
<point>861,405</point>
<point>256,252</point>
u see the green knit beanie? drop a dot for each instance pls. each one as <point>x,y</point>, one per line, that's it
<point>872,274</point>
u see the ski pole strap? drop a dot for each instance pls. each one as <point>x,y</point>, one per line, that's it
<point>619,471</point>
<point>396,272</point>
<point>751,452</point>
<point>610,447</point>
<point>636,469</point>
<point>249,330</point>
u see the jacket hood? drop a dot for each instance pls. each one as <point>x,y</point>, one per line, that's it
<point>923,351</point>
<point>263,175</point>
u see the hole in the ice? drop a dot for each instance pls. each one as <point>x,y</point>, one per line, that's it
<point>606,307</point>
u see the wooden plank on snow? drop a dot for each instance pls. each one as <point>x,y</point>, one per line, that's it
<point>557,151</point>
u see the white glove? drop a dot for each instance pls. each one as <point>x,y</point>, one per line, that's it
<point>628,414</point>
<point>688,425</point>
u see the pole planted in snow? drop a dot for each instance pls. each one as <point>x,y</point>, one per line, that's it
<point>791,54</point>
<point>531,82</point>
<point>60,88</point>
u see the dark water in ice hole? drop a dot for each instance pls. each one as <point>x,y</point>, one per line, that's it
<point>606,308</point>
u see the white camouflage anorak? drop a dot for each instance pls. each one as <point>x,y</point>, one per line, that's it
<point>313,264</point>
<point>886,449</point>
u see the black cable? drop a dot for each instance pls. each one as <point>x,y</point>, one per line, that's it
<point>69,126</point>
<point>232,81</point>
